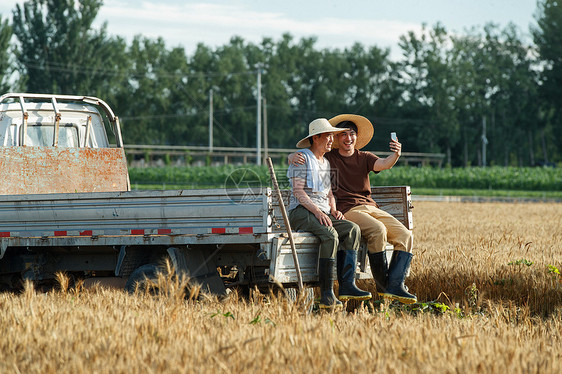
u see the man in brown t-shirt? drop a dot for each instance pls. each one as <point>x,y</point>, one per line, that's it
<point>352,190</point>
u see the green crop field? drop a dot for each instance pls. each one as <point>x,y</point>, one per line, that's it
<point>491,181</point>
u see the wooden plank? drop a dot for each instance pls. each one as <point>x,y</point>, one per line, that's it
<point>396,200</point>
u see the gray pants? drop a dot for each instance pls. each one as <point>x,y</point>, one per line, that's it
<point>343,233</point>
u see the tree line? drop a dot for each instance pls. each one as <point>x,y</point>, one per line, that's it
<point>438,96</point>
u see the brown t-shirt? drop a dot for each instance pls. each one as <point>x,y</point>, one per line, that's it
<point>350,178</point>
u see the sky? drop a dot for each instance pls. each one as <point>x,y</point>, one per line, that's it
<point>335,24</point>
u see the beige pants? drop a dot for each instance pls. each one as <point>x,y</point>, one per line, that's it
<point>379,227</point>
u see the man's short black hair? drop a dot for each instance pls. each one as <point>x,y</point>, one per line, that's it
<point>347,125</point>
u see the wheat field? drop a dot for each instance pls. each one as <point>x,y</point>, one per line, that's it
<point>487,277</point>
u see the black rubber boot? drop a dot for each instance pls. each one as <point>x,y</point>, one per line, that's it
<point>396,273</point>
<point>347,263</point>
<point>326,277</point>
<point>379,268</point>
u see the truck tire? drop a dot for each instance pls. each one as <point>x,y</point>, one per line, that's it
<point>141,277</point>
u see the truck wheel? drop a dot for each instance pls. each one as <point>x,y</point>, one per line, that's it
<point>141,277</point>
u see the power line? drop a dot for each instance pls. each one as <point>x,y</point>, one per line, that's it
<point>82,69</point>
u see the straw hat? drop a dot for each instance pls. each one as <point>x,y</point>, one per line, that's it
<point>365,129</point>
<point>318,126</point>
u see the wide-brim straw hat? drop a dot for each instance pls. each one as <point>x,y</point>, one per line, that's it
<point>316,127</point>
<point>365,129</point>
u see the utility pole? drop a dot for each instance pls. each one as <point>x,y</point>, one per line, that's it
<point>211,120</point>
<point>258,124</point>
<point>484,141</point>
<point>265,147</point>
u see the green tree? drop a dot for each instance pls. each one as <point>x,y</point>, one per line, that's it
<point>499,87</point>
<point>59,51</point>
<point>279,70</point>
<point>288,78</point>
<point>152,107</point>
<point>429,85</point>
<point>5,61</point>
<point>202,78</point>
<point>236,86</point>
<point>354,81</point>
<point>451,84</point>
<point>469,95</point>
<point>513,107</point>
<point>307,83</point>
<point>548,38</point>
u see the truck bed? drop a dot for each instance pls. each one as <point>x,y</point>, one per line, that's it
<point>234,221</point>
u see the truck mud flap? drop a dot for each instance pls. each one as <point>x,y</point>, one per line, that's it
<point>199,266</point>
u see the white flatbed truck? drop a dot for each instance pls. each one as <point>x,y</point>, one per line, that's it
<point>66,206</point>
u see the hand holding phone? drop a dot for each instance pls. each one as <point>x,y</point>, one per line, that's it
<point>394,145</point>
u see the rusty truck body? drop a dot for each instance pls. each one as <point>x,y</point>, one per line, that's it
<point>66,206</point>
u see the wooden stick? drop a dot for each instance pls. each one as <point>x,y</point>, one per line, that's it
<point>287,224</point>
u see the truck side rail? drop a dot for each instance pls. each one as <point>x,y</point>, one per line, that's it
<point>172,212</point>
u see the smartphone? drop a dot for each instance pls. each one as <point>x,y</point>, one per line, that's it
<point>393,136</point>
